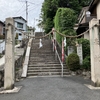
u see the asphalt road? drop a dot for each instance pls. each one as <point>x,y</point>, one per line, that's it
<point>43,88</point>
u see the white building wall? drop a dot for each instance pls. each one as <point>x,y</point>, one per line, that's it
<point>87,36</point>
<point>21,29</point>
<point>20,21</point>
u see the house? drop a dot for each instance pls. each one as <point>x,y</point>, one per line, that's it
<point>87,14</point>
<point>2,25</point>
<point>21,25</point>
<point>95,8</point>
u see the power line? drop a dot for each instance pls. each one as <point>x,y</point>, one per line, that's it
<point>31,9</point>
<point>21,1</point>
<point>31,2</point>
<point>20,9</point>
<point>26,9</point>
<point>23,11</point>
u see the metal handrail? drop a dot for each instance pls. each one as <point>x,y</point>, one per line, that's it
<point>54,46</point>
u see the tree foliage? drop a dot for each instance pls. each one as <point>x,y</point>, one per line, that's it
<point>47,14</point>
<point>50,7</point>
<point>64,22</point>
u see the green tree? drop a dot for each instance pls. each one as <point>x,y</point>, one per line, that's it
<point>64,22</point>
<point>47,14</point>
<point>50,7</point>
<point>84,2</point>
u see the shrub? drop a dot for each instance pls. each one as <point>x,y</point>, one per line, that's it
<point>86,63</point>
<point>73,62</point>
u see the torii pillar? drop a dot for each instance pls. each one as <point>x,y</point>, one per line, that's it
<point>9,71</point>
<point>95,51</point>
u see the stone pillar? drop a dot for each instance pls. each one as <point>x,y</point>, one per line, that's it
<point>95,52</point>
<point>80,53</point>
<point>98,10</point>
<point>70,50</point>
<point>9,71</point>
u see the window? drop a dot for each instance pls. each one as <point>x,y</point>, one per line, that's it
<point>19,25</point>
<point>20,34</point>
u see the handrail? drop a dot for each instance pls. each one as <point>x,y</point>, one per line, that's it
<point>60,62</point>
<point>54,46</point>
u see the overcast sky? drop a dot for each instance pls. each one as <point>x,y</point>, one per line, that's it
<point>15,8</point>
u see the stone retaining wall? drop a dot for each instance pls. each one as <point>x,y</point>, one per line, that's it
<point>18,67</point>
<point>19,58</point>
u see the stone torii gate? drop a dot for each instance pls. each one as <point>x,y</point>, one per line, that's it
<point>9,75</point>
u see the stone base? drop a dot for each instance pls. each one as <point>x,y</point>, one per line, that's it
<point>92,87</point>
<point>15,90</point>
<point>97,84</point>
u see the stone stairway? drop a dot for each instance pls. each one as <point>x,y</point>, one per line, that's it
<point>42,60</point>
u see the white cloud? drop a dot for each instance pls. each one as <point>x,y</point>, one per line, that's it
<point>13,8</point>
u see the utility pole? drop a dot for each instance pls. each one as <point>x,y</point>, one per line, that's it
<point>26,14</point>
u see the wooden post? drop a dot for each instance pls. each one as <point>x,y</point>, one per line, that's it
<point>9,70</point>
<point>95,52</point>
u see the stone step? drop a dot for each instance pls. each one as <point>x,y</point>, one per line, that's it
<point>42,58</point>
<point>47,64</point>
<point>41,49</point>
<point>42,54</point>
<point>42,61</point>
<point>47,73</point>
<point>46,68</point>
